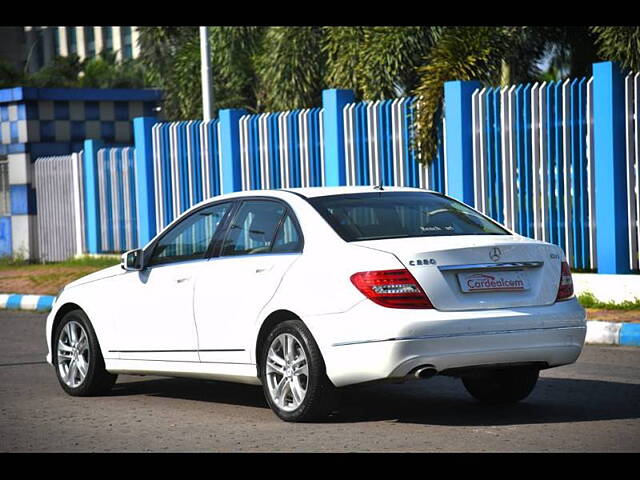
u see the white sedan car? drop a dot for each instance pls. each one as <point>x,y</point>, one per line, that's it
<point>307,290</point>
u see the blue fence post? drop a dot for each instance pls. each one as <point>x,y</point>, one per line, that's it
<point>333,102</point>
<point>230,149</point>
<point>91,194</point>
<point>145,193</point>
<point>612,242</point>
<point>459,139</point>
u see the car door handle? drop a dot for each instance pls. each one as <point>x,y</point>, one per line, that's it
<point>182,280</point>
<point>264,268</point>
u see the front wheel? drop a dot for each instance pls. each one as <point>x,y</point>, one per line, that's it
<point>293,374</point>
<point>507,385</point>
<point>79,364</point>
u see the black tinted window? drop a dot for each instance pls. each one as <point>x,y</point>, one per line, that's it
<point>253,228</point>
<point>369,216</point>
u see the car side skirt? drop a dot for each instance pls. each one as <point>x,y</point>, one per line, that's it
<point>227,372</point>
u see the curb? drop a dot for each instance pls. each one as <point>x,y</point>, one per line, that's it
<point>612,333</point>
<point>15,301</point>
<point>607,333</point>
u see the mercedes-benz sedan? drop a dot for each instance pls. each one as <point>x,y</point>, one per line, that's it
<point>307,290</point>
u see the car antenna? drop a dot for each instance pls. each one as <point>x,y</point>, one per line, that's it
<point>379,187</point>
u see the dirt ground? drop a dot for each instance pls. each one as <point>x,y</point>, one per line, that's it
<point>626,316</point>
<point>41,279</point>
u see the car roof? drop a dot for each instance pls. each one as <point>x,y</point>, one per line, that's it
<point>306,192</point>
<point>311,192</point>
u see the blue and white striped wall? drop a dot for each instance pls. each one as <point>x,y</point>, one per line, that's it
<point>632,157</point>
<point>530,156</point>
<point>533,164</point>
<point>186,166</point>
<point>282,150</point>
<point>378,145</point>
<point>117,199</point>
<point>59,194</point>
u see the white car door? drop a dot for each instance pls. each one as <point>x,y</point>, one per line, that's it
<point>261,242</point>
<point>154,318</point>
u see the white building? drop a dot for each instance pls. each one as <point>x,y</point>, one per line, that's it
<point>43,44</point>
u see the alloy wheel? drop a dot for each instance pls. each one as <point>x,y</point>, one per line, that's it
<point>73,354</point>
<point>287,372</point>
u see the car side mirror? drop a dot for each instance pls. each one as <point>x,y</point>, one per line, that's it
<point>132,260</point>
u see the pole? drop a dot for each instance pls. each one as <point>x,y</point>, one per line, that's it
<point>205,65</point>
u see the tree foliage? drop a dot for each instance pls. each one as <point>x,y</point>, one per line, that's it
<point>171,58</point>
<point>102,71</point>
<point>9,75</point>
<point>342,47</point>
<point>620,44</point>
<point>290,68</point>
<point>233,51</point>
<point>281,68</point>
<point>390,58</point>
<point>461,53</point>
<point>376,62</point>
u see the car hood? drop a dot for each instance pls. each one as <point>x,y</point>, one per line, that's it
<point>95,276</point>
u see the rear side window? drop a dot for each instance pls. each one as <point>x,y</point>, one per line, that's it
<point>288,238</point>
<point>253,228</point>
<point>372,216</point>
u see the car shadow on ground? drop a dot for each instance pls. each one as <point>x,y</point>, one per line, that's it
<point>190,389</point>
<point>445,402</point>
<point>438,401</point>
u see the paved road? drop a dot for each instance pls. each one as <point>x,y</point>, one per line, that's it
<point>591,406</point>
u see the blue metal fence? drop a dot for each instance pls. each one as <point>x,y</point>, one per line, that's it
<point>282,149</point>
<point>379,146</point>
<point>117,194</point>
<point>186,162</point>
<point>528,161</point>
<point>532,162</point>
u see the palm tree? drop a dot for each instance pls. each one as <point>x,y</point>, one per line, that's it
<point>233,51</point>
<point>620,44</point>
<point>281,68</point>
<point>172,57</point>
<point>461,53</point>
<point>494,56</point>
<point>290,68</point>
<point>376,62</point>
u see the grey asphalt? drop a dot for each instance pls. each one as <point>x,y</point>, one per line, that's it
<point>590,406</point>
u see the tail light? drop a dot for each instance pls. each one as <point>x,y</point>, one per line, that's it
<point>565,290</point>
<point>391,288</point>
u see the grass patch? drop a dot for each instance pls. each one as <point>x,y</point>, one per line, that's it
<point>588,300</point>
<point>103,261</point>
<point>98,262</point>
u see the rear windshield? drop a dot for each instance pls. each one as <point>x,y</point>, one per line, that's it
<point>373,216</point>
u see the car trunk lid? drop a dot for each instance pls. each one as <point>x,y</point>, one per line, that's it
<point>474,272</point>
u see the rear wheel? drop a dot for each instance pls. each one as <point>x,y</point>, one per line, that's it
<point>78,361</point>
<point>507,385</point>
<point>293,374</point>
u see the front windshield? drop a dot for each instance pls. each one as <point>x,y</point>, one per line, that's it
<point>374,216</point>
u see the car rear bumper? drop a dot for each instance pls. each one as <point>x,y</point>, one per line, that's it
<point>380,343</point>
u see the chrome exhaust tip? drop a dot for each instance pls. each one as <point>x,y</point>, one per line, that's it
<point>424,372</point>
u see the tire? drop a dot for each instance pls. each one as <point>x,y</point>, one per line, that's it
<point>507,385</point>
<point>296,389</point>
<point>75,342</point>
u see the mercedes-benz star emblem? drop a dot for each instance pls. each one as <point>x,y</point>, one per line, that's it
<point>494,254</point>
